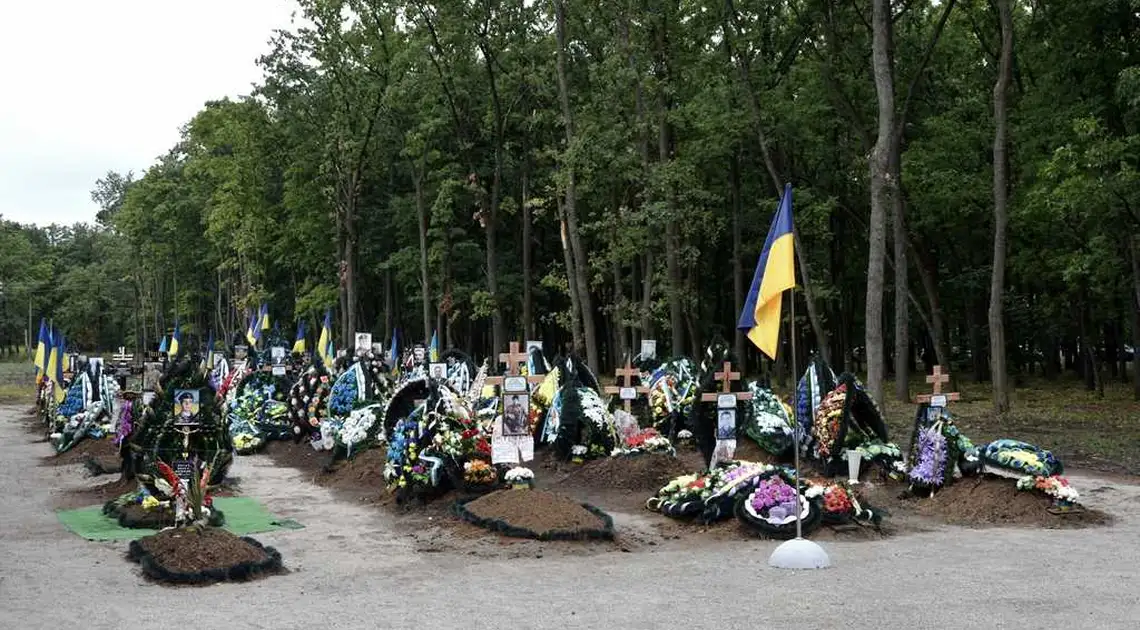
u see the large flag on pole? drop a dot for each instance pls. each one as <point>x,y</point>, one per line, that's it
<point>394,351</point>
<point>55,365</point>
<point>162,347</point>
<point>775,273</point>
<point>433,349</point>
<point>264,316</point>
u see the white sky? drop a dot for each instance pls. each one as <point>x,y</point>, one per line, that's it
<point>88,86</point>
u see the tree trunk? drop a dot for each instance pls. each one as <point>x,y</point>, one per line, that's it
<point>737,266</point>
<point>883,190</point>
<point>1135,250</point>
<point>998,369</point>
<point>422,213</point>
<point>498,326</point>
<point>528,295</point>
<point>585,301</point>
<point>664,157</point>
<point>572,281</point>
<point>902,286</point>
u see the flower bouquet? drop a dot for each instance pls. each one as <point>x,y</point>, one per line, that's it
<point>771,425</point>
<point>578,453</point>
<point>520,478</point>
<point>479,476</point>
<point>645,441</point>
<point>1055,486</point>
<point>772,508</point>
<point>840,503</point>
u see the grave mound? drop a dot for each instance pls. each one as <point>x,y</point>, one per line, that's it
<point>201,555</point>
<point>536,514</point>
<point>644,472</point>
<point>995,501</point>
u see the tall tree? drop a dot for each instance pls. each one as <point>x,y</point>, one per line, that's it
<point>998,369</point>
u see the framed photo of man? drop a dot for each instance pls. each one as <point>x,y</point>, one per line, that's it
<point>438,371</point>
<point>186,407</point>
<point>363,342</point>
<point>726,424</point>
<point>648,348</point>
<point>516,411</point>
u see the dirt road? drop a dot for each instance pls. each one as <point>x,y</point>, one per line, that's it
<point>351,567</point>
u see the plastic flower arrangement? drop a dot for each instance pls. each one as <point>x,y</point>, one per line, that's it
<point>519,477</point>
<point>645,441</point>
<point>828,419</point>
<point>930,469</point>
<point>1055,486</point>
<point>771,492</point>
<point>479,472</point>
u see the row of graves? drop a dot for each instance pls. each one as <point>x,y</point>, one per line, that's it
<point>447,430</point>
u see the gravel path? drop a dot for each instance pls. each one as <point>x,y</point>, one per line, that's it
<point>351,569</point>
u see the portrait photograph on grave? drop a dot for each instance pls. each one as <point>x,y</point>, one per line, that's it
<point>438,371</point>
<point>648,348</point>
<point>363,343</point>
<point>533,345</point>
<point>515,413</point>
<point>152,373</point>
<point>186,406</point>
<point>726,424</point>
<point>241,352</point>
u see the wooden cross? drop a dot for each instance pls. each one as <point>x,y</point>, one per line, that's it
<point>726,377</point>
<point>628,372</point>
<point>512,359</point>
<point>937,379</point>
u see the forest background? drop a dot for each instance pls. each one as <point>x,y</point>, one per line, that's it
<point>595,173</point>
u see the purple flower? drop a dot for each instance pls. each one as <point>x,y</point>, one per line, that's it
<point>772,491</point>
<point>931,467</point>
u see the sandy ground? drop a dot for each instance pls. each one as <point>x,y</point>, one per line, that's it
<point>354,567</point>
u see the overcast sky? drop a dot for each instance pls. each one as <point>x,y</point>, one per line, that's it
<point>90,86</point>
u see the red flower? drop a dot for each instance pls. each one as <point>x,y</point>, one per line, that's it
<point>483,446</point>
<point>469,433</point>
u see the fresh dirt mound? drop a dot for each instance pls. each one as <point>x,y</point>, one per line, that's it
<point>642,473</point>
<point>201,555</point>
<point>362,475</point>
<point>536,514</point>
<point>103,450</point>
<point>987,501</point>
<point>97,495</point>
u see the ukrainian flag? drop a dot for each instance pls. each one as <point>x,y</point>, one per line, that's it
<point>433,349</point>
<point>299,344</point>
<point>42,343</point>
<point>253,330</point>
<point>264,317</point>
<point>324,343</point>
<point>162,347</point>
<point>775,273</point>
<point>55,367</point>
<point>394,351</point>
<point>175,341</point>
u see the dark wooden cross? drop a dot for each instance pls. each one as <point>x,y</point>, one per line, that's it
<point>628,372</point>
<point>726,377</point>
<point>937,379</point>
<point>512,359</point>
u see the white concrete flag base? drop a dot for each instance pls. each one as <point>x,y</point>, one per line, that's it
<point>799,553</point>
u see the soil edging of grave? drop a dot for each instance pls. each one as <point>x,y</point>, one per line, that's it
<point>162,562</point>
<point>500,525</point>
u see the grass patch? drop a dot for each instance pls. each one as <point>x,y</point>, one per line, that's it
<point>1082,428</point>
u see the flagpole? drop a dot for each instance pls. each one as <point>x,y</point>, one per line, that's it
<point>796,430</point>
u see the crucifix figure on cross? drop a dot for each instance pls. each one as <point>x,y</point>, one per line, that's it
<point>937,398</point>
<point>626,390</point>
<point>513,359</point>
<point>725,378</point>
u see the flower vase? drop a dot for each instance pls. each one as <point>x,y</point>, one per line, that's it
<point>522,484</point>
<point>854,460</point>
<point>578,459</point>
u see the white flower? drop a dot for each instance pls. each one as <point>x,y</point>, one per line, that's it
<point>813,492</point>
<point>578,450</point>
<point>684,434</point>
<point>518,474</point>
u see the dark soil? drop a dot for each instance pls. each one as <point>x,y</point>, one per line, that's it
<point>361,477</point>
<point>535,510</point>
<point>103,450</point>
<point>985,501</point>
<point>194,549</point>
<point>638,473</point>
<point>97,495</point>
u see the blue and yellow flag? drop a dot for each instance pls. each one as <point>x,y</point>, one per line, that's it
<point>775,273</point>
<point>42,342</point>
<point>325,342</point>
<point>253,329</point>
<point>299,343</point>
<point>55,366</point>
<point>210,352</point>
<point>175,341</point>
<point>264,317</point>
<point>162,347</point>
<point>433,349</point>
